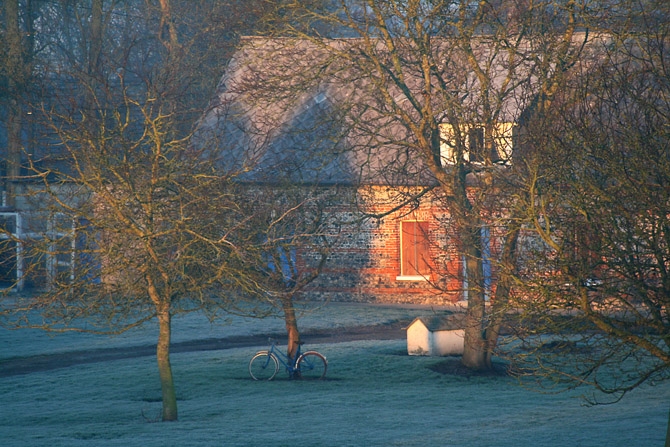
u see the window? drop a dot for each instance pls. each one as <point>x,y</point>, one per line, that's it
<point>414,250</point>
<point>476,144</point>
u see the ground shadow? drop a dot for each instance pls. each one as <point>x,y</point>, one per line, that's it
<point>452,366</point>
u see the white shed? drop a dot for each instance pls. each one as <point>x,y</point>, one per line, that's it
<point>434,336</point>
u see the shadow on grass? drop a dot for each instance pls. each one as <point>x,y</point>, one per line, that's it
<point>452,366</point>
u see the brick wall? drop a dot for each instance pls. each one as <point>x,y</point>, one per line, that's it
<point>365,265</point>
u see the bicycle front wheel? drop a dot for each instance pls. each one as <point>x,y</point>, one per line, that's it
<point>263,366</point>
<point>312,366</point>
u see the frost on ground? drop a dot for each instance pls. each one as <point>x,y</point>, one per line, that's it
<point>375,395</point>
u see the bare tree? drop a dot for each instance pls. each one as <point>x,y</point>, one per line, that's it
<point>433,93</point>
<point>125,221</point>
<point>297,232</point>
<point>594,290</point>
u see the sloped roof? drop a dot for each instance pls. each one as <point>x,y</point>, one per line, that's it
<point>297,108</point>
<point>435,323</point>
<point>304,137</point>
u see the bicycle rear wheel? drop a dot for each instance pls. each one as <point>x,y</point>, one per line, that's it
<point>312,366</point>
<point>263,366</point>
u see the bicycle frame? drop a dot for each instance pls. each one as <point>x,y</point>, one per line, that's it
<point>288,362</point>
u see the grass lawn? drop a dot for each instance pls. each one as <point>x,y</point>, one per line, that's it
<point>375,395</point>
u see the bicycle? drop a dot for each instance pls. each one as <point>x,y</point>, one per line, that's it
<point>309,365</point>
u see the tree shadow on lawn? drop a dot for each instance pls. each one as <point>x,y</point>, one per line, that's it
<point>452,366</point>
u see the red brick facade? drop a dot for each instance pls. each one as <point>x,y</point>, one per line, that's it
<point>366,265</point>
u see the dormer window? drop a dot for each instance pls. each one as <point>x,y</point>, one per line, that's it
<point>477,148</point>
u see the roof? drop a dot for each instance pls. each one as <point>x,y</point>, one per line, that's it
<point>435,323</point>
<point>301,109</point>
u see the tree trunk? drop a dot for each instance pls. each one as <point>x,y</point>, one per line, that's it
<point>164,368</point>
<point>163,349</point>
<point>95,47</point>
<point>16,84</point>
<point>168,32</point>
<point>13,161</point>
<point>474,351</point>
<point>291,326</point>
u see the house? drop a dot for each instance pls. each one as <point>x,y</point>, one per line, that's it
<point>396,242</point>
<point>331,131</point>
<point>435,336</point>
